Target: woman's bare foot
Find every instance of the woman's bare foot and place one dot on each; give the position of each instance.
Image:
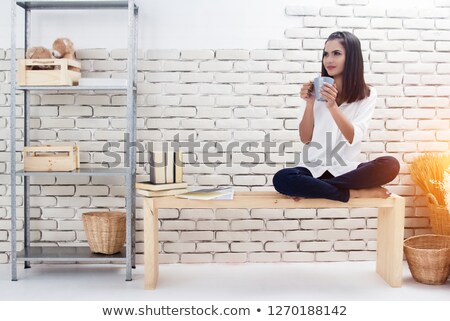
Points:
(296, 198)
(378, 192)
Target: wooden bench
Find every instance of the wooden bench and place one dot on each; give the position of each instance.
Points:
(390, 230)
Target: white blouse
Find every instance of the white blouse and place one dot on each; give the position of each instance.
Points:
(329, 149)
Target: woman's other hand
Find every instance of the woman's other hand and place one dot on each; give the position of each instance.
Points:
(307, 92)
(329, 92)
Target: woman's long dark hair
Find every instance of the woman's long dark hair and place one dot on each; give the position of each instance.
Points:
(354, 87)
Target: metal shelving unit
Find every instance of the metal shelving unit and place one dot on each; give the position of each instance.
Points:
(75, 254)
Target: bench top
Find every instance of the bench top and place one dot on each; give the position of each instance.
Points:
(272, 199)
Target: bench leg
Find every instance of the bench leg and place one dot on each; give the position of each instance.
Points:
(151, 264)
(391, 224)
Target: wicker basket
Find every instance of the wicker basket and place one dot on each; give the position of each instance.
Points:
(439, 216)
(428, 258)
(105, 231)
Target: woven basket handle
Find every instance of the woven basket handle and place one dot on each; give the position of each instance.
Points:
(432, 199)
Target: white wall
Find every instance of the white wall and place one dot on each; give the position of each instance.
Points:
(163, 24)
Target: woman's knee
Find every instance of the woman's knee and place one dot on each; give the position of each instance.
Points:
(280, 178)
(390, 165)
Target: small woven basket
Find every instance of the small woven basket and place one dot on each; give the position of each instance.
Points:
(428, 258)
(105, 231)
(439, 216)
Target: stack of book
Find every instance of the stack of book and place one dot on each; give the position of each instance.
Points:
(219, 193)
(166, 167)
(149, 189)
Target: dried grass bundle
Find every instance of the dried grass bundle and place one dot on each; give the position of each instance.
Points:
(428, 170)
(446, 187)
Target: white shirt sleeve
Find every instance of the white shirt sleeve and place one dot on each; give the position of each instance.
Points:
(362, 118)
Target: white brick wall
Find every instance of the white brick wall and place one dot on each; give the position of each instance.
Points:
(240, 95)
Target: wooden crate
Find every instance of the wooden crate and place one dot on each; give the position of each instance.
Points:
(48, 158)
(61, 73)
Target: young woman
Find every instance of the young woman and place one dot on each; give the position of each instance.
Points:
(332, 132)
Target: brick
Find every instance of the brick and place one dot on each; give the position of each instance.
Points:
(181, 89)
(282, 225)
(163, 55)
(316, 246)
(386, 67)
(230, 257)
(418, 23)
(250, 89)
(417, 113)
(266, 78)
(216, 66)
(162, 77)
(420, 91)
(150, 65)
(419, 136)
(213, 225)
(402, 56)
(212, 247)
(349, 223)
(363, 234)
(92, 54)
(178, 225)
(231, 77)
(280, 246)
(435, 35)
(192, 100)
(179, 247)
(196, 258)
(267, 213)
(197, 236)
(246, 246)
(267, 236)
(57, 123)
(332, 213)
(442, 24)
(386, 23)
(353, 22)
(349, 245)
(197, 54)
(264, 257)
(319, 22)
(58, 236)
(233, 236)
(232, 54)
(300, 213)
(215, 89)
(263, 54)
(251, 66)
(304, 55)
(332, 257)
(300, 235)
(433, 124)
(196, 77)
(297, 257)
(386, 45)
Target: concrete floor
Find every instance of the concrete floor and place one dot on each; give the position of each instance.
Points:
(223, 282)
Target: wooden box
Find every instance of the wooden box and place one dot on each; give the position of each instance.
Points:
(59, 72)
(47, 158)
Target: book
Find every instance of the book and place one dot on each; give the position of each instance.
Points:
(219, 193)
(161, 193)
(157, 167)
(149, 186)
(170, 166)
(178, 167)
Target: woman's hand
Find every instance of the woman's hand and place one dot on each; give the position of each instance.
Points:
(329, 92)
(307, 92)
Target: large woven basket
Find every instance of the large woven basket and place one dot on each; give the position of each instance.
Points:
(105, 231)
(439, 216)
(428, 258)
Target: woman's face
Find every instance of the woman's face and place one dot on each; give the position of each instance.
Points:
(334, 58)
